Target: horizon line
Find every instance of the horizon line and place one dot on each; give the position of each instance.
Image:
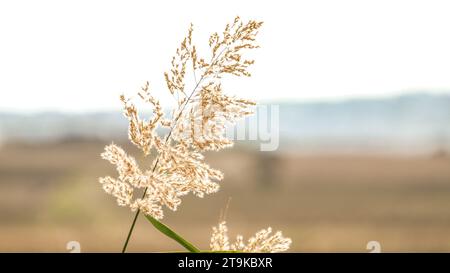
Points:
(328, 100)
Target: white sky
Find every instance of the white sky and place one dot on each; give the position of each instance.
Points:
(80, 55)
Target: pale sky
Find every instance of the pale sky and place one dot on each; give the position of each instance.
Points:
(80, 55)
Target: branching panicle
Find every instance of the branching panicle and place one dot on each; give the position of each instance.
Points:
(197, 124)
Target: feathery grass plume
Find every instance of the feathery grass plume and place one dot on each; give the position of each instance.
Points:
(197, 124)
(262, 241)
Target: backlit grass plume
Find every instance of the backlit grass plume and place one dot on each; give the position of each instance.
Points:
(262, 241)
(196, 124)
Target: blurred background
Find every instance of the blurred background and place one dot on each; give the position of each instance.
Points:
(363, 92)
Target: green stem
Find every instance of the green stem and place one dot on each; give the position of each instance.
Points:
(172, 234)
(132, 226)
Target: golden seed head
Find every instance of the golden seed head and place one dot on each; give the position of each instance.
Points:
(262, 241)
(197, 124)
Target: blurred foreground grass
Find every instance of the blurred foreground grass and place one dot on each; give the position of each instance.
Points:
(49, 195)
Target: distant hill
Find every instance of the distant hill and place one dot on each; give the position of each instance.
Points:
(417, 122)
(409, 123)
(49, 126)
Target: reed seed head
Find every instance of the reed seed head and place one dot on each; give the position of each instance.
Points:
(262, 241)
(197, 124)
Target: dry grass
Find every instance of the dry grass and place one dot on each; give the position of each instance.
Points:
(197, 123)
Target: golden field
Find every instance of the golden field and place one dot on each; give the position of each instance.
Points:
(49, 195)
